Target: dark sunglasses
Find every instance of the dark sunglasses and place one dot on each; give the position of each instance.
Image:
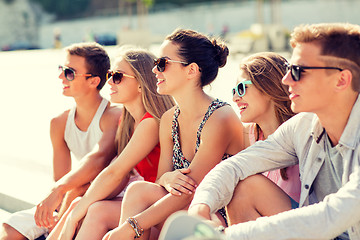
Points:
(70, 73)
(160, 63)
(117, 76)
(240, 88)
(296, 70)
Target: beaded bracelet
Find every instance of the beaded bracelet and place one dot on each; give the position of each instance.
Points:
(135, 225)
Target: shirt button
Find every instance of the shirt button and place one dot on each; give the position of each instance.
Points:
(306, 186)
(319, 159)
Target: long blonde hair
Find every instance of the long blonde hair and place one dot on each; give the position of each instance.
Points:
(141, 62)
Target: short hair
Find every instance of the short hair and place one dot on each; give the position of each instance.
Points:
(209, 54)
(96, 59)
(339, 40)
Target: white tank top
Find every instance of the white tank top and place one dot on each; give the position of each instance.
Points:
(79, 142)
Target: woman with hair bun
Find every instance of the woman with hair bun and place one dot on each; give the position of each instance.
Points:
(195, 135)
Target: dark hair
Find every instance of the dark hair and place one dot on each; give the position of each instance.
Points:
(96, 59)
(339, 40)
(266, 70)
(208, 54)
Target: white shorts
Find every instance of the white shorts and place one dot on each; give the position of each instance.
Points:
(24, 222)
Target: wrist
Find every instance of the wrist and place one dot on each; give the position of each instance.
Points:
(59, 189)
(160, 181)
(135, 226)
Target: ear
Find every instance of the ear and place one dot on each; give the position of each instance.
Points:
(344, 80)
(94, 81)
(193, 70)
(139, 89)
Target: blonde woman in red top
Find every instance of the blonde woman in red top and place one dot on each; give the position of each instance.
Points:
(134, 86)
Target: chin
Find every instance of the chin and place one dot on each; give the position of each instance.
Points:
(296, 109)
(244, 119)
(161, 91)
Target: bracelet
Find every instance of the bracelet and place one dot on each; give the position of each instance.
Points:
(135, 225)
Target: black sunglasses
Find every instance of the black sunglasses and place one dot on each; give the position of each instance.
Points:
(70, 73)
(296, 70)
(116, 76)
(160, 63)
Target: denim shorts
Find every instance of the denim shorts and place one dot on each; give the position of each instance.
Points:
(294, 204)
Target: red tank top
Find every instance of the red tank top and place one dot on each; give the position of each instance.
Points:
(148, 167)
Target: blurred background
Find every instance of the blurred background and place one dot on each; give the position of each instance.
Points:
(33, 33)
(250, 25)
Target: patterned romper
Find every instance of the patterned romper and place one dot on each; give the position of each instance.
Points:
(179, 161)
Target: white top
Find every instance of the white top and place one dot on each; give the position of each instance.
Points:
(79, 142)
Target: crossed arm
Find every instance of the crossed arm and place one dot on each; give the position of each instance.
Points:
(142, 142)
(67, 179)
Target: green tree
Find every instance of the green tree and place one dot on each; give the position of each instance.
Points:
(65, 8)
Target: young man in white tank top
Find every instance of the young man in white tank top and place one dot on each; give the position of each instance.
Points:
(86, 132)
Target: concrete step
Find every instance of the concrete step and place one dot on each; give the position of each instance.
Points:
(23, 184)
(3, 215)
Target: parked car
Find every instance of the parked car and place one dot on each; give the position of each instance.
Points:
(106, 39)
(21, 45)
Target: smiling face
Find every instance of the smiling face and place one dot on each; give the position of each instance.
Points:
(254, 105)
(79, 85)
(128, 89)
(173, 77)
(313, 92)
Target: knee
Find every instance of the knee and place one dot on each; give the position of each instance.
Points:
(96, 212)
(250, 185)
(245, 191)
(9, 233)
(138, 190)
(142, 192)
(74, 203)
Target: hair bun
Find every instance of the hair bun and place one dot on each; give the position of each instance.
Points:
(222, 52)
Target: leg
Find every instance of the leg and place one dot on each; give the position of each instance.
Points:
(138, 197)
(101, 217)
(254, 197)
(21, 225)
(54, 234)
(9, 233)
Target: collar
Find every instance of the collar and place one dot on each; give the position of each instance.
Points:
(351, 135)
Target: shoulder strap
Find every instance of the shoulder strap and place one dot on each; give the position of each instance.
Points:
(217, 103)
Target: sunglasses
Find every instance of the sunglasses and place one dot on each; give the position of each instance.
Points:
(117, 76)
(70, 73)
(240, 88)
(296, 70)
(160, 63)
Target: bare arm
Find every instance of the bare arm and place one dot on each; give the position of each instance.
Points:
(91, 165)
(174, 181)
(95, 161)
(142, 142)
(61, 152)
(223, 133)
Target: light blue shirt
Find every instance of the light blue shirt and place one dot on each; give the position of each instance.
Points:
(299, 140)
